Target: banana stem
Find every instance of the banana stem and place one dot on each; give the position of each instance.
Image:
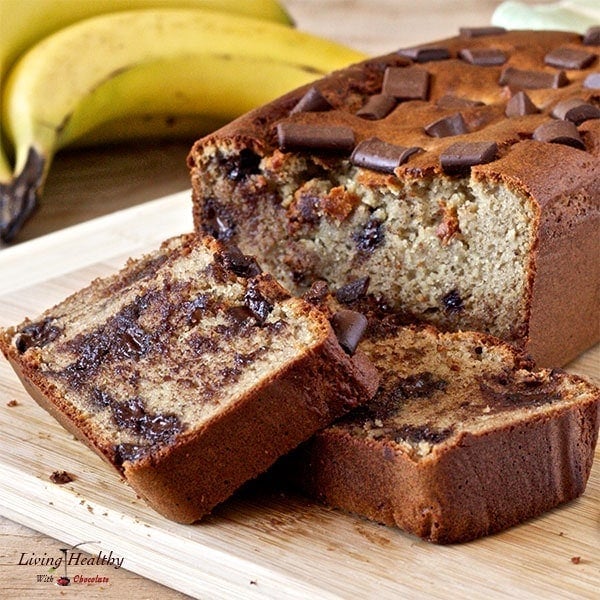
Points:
(19, 196)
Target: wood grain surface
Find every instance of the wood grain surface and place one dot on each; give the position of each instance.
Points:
(263, 544)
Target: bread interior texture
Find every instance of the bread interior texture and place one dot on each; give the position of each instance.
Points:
(453, 251)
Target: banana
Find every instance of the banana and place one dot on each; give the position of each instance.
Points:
(219, 86)
(154, 61)
(25, 23)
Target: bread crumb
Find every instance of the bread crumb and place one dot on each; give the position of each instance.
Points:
(61, 477)
(576, 560)
(12, 403)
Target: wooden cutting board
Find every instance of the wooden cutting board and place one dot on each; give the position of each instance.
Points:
(263, 543)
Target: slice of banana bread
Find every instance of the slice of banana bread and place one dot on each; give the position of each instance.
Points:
(190, 371)
(461, 177)
(463, 439)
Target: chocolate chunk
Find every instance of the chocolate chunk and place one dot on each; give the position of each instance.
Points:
(520, 105)
(37, 334)
(559, 132)
(61, 477)
(216, 220)
(532, 80)
(451, 102)
(592, 36)
(483, 57)
(349, 326)
(317, 294)
(329, 138)
(447, 126)
(458, 158)
(416, 434)
(394, 393)
(510, 390)
(312, 101)
(240, 315)
(419, 385)
(378, 155)
(406, 83)
(196, 309)
(576, 110)
(371, 236)
(592, 81)
(569, 58)
(353, 291)
(257, 304)
(422, 55)
(452, 302)
(131, 414)
(243, 165)
(377, 107)
(129, 452)
(471, 32)
(240, 264)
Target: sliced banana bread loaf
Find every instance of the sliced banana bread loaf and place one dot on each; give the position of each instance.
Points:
(462, 177)
(463, 439)
(190, 371)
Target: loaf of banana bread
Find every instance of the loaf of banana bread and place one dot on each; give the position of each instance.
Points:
(190, 371)
(461, 177)
(463, 439)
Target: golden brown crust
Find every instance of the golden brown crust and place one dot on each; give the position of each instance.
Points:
(346, 90)
(481, 485)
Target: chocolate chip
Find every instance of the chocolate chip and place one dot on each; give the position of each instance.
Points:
(240, 264)
(370, 236)
(353, 291)
(569, 58)
(458, 158)
(257, 304)
(312, 101)
(559, 132)
(592, 81)
(348, 326)
(471, 32)
(378, 155)
(377, 107)
(447, 126)
(483, 57)
(406, 83)
(422, 55)
(452, 302)
(329, 138)
(37, 334)
(451, 102)
(575, 110)
(520, 105)
(592, 36)
(532, 80)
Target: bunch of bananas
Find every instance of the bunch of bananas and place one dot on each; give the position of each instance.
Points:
(91, 72)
